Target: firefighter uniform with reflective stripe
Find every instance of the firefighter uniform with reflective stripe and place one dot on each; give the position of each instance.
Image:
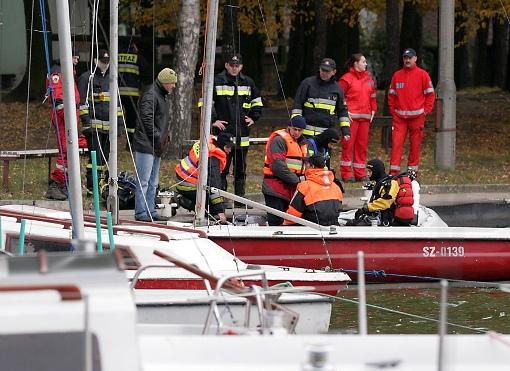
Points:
(129, 66)
(94, 116)
(56, 102)
(321, 103)
(187, 175)
(236, 97)
(410, 98)
(283, 166)
(318, 199)
(360, 96)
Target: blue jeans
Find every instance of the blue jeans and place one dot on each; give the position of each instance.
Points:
(147, 166)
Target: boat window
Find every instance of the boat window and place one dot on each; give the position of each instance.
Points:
(128, 258)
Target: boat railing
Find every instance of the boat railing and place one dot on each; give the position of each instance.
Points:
(270, 210)
(233, 283)
(139, 271)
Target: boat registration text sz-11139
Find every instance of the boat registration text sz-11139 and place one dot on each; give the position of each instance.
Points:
(433, 251)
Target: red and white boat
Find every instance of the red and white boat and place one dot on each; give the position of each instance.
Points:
(391, 253)
(163, 290)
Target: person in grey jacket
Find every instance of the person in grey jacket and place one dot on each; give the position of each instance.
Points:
(150, 143)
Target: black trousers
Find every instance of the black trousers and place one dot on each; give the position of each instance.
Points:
(98, 142)
(130, 106)
(237, 158)
(278, 204)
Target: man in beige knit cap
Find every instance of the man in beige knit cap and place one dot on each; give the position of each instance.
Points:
(150, 143)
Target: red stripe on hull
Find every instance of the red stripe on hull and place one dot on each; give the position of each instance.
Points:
(323, 287)
(477, 260)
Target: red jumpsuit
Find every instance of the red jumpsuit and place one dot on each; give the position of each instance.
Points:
(360, 97)
(56, 101)
(410, 99)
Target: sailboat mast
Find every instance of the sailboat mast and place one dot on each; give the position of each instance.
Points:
(112, 202)
(64, 42)
(205, 118)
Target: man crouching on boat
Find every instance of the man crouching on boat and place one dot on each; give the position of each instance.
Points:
(317, 199)
(381, 204)
(283, 166)
(187, 175)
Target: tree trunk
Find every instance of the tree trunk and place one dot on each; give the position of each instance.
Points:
(186, 55)
(38, 69)
(462, 72)
(321, 34)
(392, 47)
(230, 33)
(294, 68)
(412, 28)
(482, 68)
(498, 52)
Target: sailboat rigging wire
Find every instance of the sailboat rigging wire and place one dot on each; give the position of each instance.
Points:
(27, 103)
(273, 57)
(394, 311)
(504, 10)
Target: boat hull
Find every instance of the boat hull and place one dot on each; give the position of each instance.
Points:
(396, 260)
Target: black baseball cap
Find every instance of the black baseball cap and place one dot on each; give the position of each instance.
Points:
(409, 52)
(328, 64)
(235, 59)
(103, 56)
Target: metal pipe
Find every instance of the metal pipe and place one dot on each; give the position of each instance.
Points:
(110, 230)
(362, 295)
(446, 89)
(270, 210)
(97, 210)
(73, 158)
(443, 324)
(112, 202)
(205, 117)
(21, 241)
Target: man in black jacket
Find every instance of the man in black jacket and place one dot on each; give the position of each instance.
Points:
(237, 105)
(150, 142)
(94, 91)
(320, 100)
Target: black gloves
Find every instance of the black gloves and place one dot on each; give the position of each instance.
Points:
(360, 212)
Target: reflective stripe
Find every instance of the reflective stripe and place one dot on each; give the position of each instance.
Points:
(183, 187)
(428, 91)
(246, 105)
(100, 124)
(395, 167)
(311, 130)
(84, 110)
(294, 164)
(224, 90)
(321, 104)
(328, 102)
(257, 102)
(59, 107)
(344, 123)
(410, 113)
(129, 68)
(125, 90)
(200, 102)
(358, 166)
(392, 91)
(373, 95)
(245, 141)
(243, 90)
(130, 130)
(101, 97)
(128, 58)
(99, 167)
(345, 163)
(61, 167)
(296, 112)
(360, 115)
(413, 167)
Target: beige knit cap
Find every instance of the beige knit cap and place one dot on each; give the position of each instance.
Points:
(167, 76)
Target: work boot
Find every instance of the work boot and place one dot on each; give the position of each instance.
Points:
(224, 184)
(55, 192)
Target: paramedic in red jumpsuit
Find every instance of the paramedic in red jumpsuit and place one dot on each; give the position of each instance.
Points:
(410, 99)
(360, 96)
(57, 183)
